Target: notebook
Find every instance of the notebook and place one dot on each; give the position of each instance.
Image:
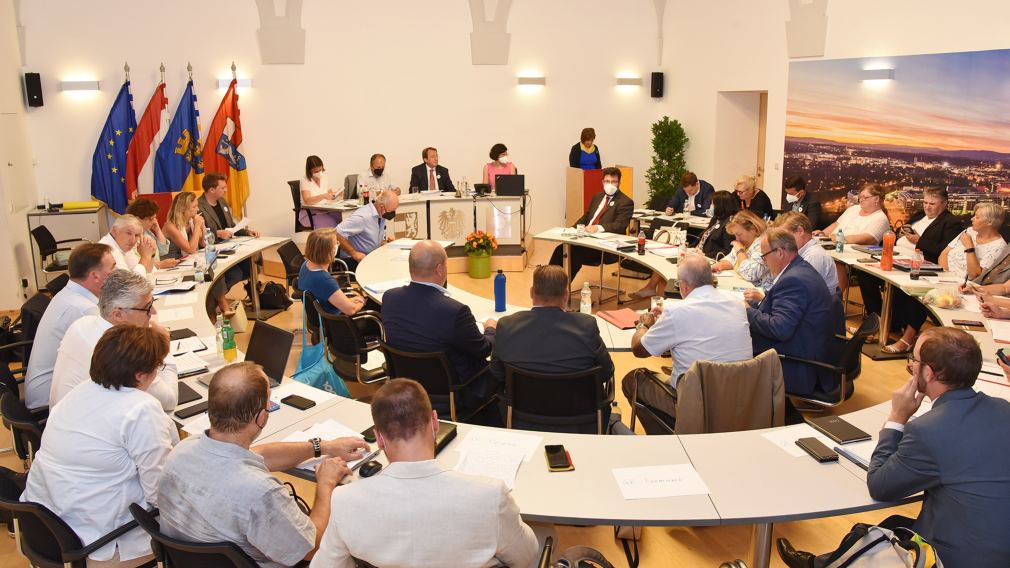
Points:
(838, 430)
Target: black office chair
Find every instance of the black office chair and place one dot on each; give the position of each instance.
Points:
(347, 347)
(655, 422)
(177, 553)
(556, 402)
(11, 377)
(31, 316)
(438, 377)
(296, 198)
(46, 540)
(49, 249)
(56, 284)
(846, 366)
(292, 259)
(25, 426)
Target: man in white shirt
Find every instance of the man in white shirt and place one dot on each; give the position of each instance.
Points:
(708, 325)
(375, 178)
(88, 267)
(131, 248)
(126, 300)
(415, 512)
(365, 229)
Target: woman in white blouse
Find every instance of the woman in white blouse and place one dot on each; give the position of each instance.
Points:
(105, 444)
(315, 187)
(978, 246)
(745, 257)
(862, 224)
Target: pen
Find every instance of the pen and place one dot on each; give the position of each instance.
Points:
(365, 459)
(852, 458)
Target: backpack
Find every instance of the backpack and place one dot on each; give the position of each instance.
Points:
(868, 545)
(273, 296)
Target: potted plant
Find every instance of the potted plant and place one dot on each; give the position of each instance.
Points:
(668, 145)
(479, 246)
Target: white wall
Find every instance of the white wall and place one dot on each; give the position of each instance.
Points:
(737, 116)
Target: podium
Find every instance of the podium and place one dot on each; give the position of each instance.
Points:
(581, 185)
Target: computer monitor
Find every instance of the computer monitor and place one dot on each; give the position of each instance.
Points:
(269, 346)
(513, 185)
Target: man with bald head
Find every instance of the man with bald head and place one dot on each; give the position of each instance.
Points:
(708, 325)
(422, 318)
(215, 488)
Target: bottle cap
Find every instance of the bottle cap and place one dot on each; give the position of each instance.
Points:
(499, 271)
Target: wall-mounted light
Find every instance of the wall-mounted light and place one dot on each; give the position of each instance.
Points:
(876, 75)
(80, 86)
(532, 81)
(240, 83)
(629, 81)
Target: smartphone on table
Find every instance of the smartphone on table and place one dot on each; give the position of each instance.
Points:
(558, 458)
(299, 402)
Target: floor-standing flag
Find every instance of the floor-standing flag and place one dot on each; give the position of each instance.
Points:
(178, 164)
(108, 166)
(221, 153)
(140, 146)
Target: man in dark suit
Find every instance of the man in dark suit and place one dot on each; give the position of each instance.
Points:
(796, 315)
(215, 210)
(430, 175)
(609, 211)
(694, 196)
(421, 317)
(547, 339)
(957, 452)
(798, 200)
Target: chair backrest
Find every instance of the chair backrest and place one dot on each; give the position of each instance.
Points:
(433, 370)
(292, 259)
(43, 535)
(343, 340)
(31, 316)
(654, 421)
(296, 194)
(850, 359)
(56, 284)
(27, 432)
(729, 397)
(164, 201)
(45, 240)
(569, 399)
(350, 186)
(177, 553)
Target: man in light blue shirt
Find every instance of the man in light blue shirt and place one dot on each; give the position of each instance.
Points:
(88, 267)
(365, 230)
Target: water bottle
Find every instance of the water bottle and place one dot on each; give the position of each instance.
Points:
(916, 265)
(228, 348)
(198, 262)
(218, 332)
(641, 242)
(586, 301)
(840, 241)
(499, 291)
(365, 195)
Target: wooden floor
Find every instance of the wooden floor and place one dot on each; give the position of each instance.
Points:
(661, 546)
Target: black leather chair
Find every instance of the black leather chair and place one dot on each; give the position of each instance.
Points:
(177, 553)
(556, 402)
(438, 377)
(846, 367)
(347, 347)
(49, 249)
(47, 540)
(296, 198)
(25, 426)
(31, 316)
(292, 259)
(654, 421)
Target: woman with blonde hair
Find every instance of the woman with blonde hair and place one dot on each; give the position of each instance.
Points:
(745, 257)
(753, 198)
(184, 226)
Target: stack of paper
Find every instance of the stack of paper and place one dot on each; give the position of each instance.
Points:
(189, 363)
(785, 438)
(186, 299)
(326, 430)
(657, 481)
(187, 345)
(499, 441)
(162, 289)
(496, 464)
(380, 288)
(1000, 330)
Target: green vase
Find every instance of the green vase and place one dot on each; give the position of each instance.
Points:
(480, 264)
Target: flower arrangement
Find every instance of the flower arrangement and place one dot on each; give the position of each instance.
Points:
(479, 241)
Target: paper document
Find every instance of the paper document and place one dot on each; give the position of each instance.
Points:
(1000, 330)
(175, 314)
(503, 465)
(188, 345)
(163, 289)
(605, 236)
(188, 363)
(326, 430)
(239, 226)
(785, 438)
(497, 440)
(862, 451)
(375, 360)
(970, 303)
(655, 481)
(379, 288)
(186, 299)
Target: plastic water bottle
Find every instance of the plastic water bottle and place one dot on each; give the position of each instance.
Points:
(586, 300)
(218, 332)
(916, 265)
(887, 253)
(209, 250)
(228, 348)
(499, 291)
(198, 262)
(839, 240)
(641, 243)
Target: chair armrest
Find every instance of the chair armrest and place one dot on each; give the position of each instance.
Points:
(82, 553)
(486, 369)
(374, 316)
(16, 345)
(341, 262)
(811, 362)
(73, 241)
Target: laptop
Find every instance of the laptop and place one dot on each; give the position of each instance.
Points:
(513, 185)
(269, 346)
(482, 188)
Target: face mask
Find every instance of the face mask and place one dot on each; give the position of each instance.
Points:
(503, 159)
(378, 171)
(791, 198)
(609, 188)
(317, 175)
(389, 215)
(710, 212)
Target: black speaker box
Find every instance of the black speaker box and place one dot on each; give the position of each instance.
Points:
(33, 89)
(657, 85)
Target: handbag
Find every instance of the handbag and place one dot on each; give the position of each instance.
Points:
(313, 368)
(868, 545)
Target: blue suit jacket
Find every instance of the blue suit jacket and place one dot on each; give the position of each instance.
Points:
(701, 201)
(959, 454)
(421, 319)
(796, 318)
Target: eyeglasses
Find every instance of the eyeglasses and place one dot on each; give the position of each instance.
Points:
(769, 252)
(162, 366)
(146, 309)
(909, 360)
(863, 198)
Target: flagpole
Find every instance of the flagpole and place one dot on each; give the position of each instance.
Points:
(234, 76)
(189, 69)
(126, 68)
(162, 69)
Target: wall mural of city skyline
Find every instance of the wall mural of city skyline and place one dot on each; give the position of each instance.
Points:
(943, 121)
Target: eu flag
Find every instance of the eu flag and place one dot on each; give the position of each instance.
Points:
(178, 164)
(108, 166)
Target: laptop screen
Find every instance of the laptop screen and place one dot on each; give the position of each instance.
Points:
(270, 346)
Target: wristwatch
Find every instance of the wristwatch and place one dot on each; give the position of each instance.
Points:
(317, 447)
(967, 250)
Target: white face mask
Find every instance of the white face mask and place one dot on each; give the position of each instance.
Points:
(792, 198)
(609, 188)
(317, 175)
(711, 211)
(504, 159)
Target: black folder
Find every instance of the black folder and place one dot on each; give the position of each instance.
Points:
(838, 430)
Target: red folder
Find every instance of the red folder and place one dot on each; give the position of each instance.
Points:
(625, 318)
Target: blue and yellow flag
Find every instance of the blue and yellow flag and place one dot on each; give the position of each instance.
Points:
(108, 166)
(178, 164)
